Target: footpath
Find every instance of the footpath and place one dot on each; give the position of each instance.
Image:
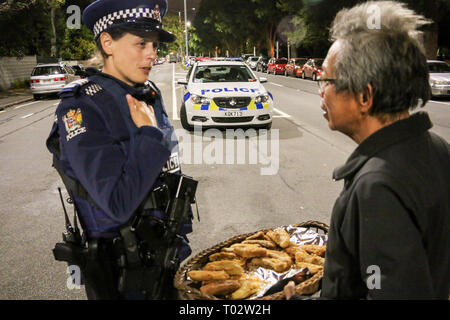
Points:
(14, 96)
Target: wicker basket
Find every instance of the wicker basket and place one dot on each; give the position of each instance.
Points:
(188, 291)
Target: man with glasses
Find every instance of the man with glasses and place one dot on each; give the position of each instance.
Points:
(389, 233)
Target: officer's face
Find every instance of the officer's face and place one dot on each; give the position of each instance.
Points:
(130, 57)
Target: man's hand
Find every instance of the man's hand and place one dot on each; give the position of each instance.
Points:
(141, 113)
(289, 290)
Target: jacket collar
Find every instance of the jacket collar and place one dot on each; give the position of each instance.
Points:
(398, 131)
(134, 91)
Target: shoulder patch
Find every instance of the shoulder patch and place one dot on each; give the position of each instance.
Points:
(73, 121)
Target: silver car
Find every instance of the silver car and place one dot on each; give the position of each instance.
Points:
(50, 78)
(439, 77)
(252, 61)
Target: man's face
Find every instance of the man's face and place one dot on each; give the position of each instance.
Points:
(341, 110)
(131, 58)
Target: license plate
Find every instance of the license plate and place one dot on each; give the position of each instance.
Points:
(233, 113)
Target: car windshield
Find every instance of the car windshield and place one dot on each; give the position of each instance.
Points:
(300, 62)
(43, 71)
(437, 67)
(255, 59)
(281, 61)
(223, 73)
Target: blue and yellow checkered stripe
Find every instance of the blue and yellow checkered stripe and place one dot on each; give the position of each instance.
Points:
(214, 107)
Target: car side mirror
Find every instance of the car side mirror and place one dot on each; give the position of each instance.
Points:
(182, 82)
(262, 80)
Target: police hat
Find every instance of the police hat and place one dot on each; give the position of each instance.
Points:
(139, 15)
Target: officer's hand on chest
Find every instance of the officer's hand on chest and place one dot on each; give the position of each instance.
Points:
(141, 113)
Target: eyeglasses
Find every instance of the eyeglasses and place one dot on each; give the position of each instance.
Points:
(322, 83)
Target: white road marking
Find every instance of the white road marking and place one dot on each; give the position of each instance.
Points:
(174, 96)
(28, 115)
(26, 104)
(282, 114)
(276, 84)
(448, 104)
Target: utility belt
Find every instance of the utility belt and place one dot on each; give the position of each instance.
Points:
(144, 257)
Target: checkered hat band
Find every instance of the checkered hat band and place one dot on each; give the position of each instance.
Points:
(105, 22)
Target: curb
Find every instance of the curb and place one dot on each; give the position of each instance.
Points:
(15, 102)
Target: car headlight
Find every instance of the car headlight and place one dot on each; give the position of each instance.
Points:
(262, 98)
(200, 99)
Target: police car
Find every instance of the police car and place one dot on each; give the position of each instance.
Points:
(224, 93)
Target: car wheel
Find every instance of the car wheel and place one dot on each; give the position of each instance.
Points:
(268, 126)
(314, 77)
(36, 96)
(286, 73)
(183, 119)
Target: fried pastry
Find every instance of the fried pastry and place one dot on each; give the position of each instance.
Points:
(312, 248)
(220, 288)
(203, 275)
(232, 267)
(269, 244)
(302, 256)
(313, 268)
(292, 250)
(248, 287)
(271, 263)
(280, 255)
(222, 256)
(250, 251)
(260, 235)
(227, 249)
(280, 237)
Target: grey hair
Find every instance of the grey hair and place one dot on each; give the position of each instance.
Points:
(385, 53)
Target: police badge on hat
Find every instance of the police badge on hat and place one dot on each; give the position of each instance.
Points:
(139, 15)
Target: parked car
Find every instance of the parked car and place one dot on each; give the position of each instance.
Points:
(252, 62)
(312, 69)
(50, 78)
(276, 66)
(261, 64)
(80, 70)
(439, 77)
(245, 56)
(294, 67)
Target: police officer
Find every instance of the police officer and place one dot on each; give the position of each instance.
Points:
(114, 135)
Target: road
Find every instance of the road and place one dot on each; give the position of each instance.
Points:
(269, 179)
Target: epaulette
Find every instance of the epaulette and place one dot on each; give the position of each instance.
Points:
(72, 88)
(80, 86)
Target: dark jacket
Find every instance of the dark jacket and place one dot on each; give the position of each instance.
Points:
(116, 162)
(389, 234)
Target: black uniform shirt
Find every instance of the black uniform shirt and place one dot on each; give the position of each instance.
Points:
(389, 234)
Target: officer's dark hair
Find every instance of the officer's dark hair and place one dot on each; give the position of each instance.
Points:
(389, 57)
(116, 34)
